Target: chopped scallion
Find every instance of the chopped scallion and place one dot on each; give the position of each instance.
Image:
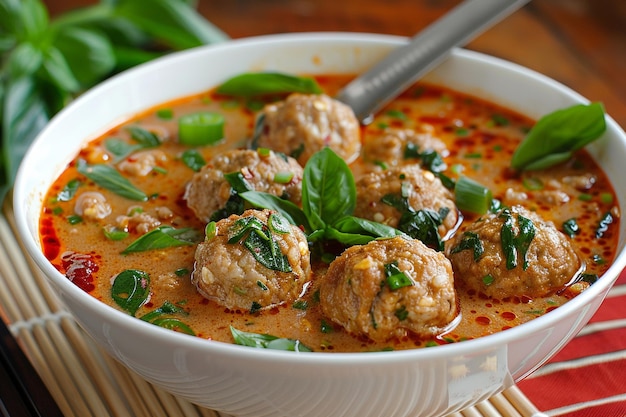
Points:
(472, 196)
(202, 128)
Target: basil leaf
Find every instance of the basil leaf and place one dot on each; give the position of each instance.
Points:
(163, 237)
(285, 207)
(57, 70)
(144, 137)
(172, 21)
(69, 191)
(328, 189)
(266, 341)
(25, 59)
(173, 324)
(470, 241)
(357, 225)
(263, 83)
(119, 148)
(88, 53)
(166, 308)
(131, 289)
(108, 177)
(557, 135)
(193, 159)
(24, 114)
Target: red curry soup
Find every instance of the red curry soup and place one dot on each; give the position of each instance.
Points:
(200, 215)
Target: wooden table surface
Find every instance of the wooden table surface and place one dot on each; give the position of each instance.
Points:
(581, 43)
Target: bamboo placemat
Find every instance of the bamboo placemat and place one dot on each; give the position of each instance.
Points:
(84, 380)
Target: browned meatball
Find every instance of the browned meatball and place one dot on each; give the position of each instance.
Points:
(513, 253)
(252, 261)
(304, 124)
(380, 195)
(399, 146)
(209, 190)
(389, 287)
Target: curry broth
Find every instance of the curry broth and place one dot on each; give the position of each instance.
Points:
(480, 137)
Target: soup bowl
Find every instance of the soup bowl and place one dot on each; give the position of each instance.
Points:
(260, 382)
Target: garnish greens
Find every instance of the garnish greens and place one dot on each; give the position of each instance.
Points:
(470, 241)
(201, 128)
(259, 239)
(131, 289)
(108, 177)
(263, 83)
(328, 202)
(516, 245)
(46, 62)
(396, 278)
(266, 341)
(471, 196)
(557, 135)
(164, 237)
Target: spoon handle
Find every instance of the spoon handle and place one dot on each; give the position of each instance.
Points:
(403, 66)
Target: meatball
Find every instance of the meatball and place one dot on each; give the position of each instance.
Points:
(387, 288)
(209, 190)
(385, 196)
(252, 261)
(513, 253)
(401, 146)
(304, 124)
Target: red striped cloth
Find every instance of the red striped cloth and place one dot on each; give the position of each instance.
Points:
(587, 378)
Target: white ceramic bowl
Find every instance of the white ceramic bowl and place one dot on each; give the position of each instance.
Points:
(257, 382)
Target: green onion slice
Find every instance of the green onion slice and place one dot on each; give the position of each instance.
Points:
(471, 196)
(202, 128)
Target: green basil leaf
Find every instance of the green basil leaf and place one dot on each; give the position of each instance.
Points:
(357, 225)
(263, 83)
(166, 308)
(56, 69)
(172, 21)
(131, 289)
(193, 159)
(289, 210)
(69, 191)
(173, 324)
(25, 59)
(119, 148)
(557, 135)
(328, 189)
(108, 177)
(88, 53)
(31, 18)
(345, 238)
(144, 137)
(24, 114)
(266, 341)
(470, 241)
(164, 237)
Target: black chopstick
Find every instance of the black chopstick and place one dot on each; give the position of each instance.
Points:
(22, 392)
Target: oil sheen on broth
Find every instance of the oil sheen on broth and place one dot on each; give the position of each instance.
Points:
(479, 138)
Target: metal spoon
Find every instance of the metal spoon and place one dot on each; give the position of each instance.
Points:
(405, 65)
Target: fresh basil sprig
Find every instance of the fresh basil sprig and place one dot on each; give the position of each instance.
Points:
(45, 62)
(266, 341)
(557, 135)
(328, 202)
(254, 84)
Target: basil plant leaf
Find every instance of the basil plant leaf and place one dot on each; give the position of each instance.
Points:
(328, 189)
(24, 114)
(57, 70)
(351, 224)
(557, 135)
(131, 289)
(172, 21)
(88, 53)
(263, 83)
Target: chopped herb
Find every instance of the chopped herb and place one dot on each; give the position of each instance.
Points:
(283, 177)
(499, 120)
(598, 259)
(473, 155)
(193, 159)
(326, 327)
(396, 278)
(512, 244)
(165, 114)
(201, 128)
(396, 114)
(606, 198)
(261, 285)
(589, 278)
(181, 272)
(69, 191)
(585, 197)
(300, 305)
(532, 184)
(401, 313)
(603, 227)
(488, 279)
(471, 196)
(570, 227)
(470, 241)
(113, 233)
(74, 219)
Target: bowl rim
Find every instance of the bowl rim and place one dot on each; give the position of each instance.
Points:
(21, 195)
